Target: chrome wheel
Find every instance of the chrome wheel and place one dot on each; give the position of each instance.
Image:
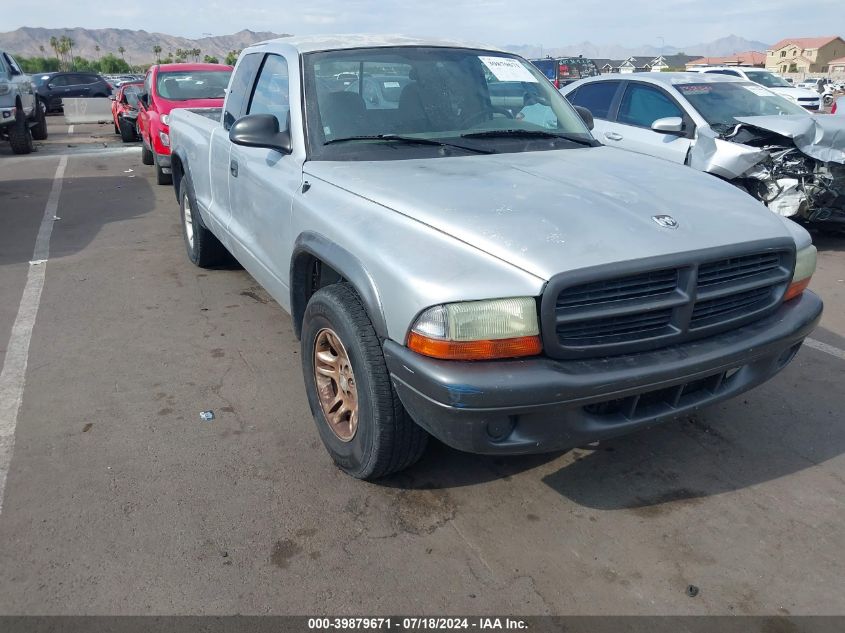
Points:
(189, 221)
(336, 386)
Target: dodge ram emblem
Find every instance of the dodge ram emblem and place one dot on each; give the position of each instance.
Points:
(666, 221)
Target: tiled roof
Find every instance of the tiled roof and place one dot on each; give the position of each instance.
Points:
(804, 42)
(748, 58)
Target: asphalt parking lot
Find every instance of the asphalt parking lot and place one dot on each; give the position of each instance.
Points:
(120, 499)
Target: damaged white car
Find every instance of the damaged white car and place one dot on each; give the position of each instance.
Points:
(792, 161)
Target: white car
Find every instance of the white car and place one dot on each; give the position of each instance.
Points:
(789, 159)
(806, 98)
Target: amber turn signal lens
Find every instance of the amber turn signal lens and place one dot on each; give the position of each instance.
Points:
(796, 288)
(475, 350)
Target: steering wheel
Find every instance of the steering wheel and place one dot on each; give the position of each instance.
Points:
(482, 115)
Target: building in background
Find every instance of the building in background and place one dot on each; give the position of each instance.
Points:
(805, 55)
(748, 58)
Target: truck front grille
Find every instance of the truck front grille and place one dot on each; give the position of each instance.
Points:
(600, 312)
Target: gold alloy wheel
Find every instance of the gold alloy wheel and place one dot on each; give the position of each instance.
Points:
(336, 386)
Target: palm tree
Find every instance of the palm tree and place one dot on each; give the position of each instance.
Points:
(70, 44)
(157, 53)
(97, 48)
(64, 48)
(121, 50)
(55, 45)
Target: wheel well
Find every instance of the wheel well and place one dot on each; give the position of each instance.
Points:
(308, 275)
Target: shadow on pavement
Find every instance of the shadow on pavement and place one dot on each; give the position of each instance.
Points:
(86, 204)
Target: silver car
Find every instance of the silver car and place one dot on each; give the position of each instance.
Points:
(791, 160)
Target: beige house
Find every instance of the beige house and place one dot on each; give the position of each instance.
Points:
(837, 67)
(805, 55)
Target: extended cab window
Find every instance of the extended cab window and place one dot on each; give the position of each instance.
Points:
(239, 87)
(596, 97)
(16, 70)
(271, 90)
(642, 105)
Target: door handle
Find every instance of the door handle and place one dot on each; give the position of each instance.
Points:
(613, 136)
(233, 168)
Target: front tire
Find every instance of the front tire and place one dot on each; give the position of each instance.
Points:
(20, 137)
(39, 130)
(204, 249)
(361, 421)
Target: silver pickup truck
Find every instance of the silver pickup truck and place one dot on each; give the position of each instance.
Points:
(475, 268)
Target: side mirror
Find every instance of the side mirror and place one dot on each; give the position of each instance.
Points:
(49, 86)
(144, 99)
(669, 125)
(260, 130)
(586, 116)
(112, 97)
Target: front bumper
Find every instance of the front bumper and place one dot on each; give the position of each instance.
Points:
(164, 161)
(541, 404)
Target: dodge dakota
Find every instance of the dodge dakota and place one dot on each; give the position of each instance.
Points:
(467, 265)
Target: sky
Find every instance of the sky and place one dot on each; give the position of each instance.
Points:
(540, 22)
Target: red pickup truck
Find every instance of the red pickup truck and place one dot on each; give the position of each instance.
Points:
(169, 86)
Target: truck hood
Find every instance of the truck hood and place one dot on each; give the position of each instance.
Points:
(552, 211)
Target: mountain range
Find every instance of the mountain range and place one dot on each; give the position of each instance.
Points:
(26, 41)
(717, 48)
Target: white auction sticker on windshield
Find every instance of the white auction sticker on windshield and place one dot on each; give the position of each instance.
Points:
(759, 91)
(507, 69)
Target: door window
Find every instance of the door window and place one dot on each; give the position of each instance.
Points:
(239, 87)
(642, 105)
(596, 97)
(16, 70)
(60, 80)
(270, 95)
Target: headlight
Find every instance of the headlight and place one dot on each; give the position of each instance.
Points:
(805, 266)
(164, 138)
(478, 330)
(5, 88)
(165, 119)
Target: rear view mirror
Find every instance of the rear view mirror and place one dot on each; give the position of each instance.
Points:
(260, 130)
(586, 116)
(668, 125)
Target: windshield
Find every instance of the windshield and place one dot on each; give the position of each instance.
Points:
(466, 99)
(767, 79)
(185, 85)
(721, 103)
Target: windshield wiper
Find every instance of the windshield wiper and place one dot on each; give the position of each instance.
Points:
(515, 133)
(408, 139)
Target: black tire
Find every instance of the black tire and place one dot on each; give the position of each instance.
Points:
(116, 129)
(39, 130)
(161, 177)
(205, 250)
(127, 131)
(147, 156)
(386, 440)
(20, 137)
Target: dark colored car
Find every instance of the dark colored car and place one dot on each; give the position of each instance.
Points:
(124, 110)
(565, 70)
(55, 86)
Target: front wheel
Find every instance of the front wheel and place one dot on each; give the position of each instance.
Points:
(39, 130)
(127, 131)
(20, 137)
(361, 421)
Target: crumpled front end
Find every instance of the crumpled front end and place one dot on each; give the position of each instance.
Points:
(794, 165)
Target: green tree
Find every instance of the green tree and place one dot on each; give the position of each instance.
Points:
(232, 57)
(111, 64)
(157, 53)
(209, 59)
